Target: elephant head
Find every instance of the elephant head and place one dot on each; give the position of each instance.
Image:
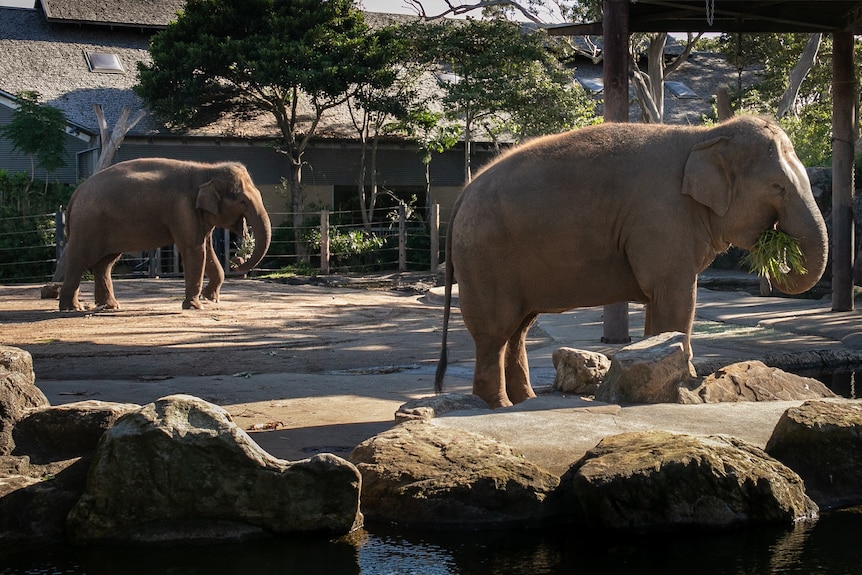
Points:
(750, 178)
(229, 200)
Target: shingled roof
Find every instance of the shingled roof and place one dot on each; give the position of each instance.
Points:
(137, 14)
(47, 51)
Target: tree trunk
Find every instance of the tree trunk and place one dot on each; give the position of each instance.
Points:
(797, 75)
(297, 205)
(110, 144)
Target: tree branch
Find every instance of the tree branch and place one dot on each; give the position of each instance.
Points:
(461, 9)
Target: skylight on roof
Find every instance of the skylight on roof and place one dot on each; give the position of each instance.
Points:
(592, 85)
(104, 62)
(680, 90)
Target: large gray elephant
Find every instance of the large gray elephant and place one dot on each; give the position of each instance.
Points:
(148, 203)
(615, 213)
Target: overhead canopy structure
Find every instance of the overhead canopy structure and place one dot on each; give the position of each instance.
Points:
(840, 18)
(780, 16)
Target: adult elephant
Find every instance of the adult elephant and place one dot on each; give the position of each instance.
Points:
(148, 203)
(614, 213)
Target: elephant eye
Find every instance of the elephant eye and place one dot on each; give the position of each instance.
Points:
(780, 189)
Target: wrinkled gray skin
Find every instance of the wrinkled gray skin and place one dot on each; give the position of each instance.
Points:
(614, 213)
(149, 203)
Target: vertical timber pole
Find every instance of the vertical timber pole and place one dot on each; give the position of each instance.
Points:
(615, 23)
(402, 238)
(843, 139)
(434, 224)
(324, 242)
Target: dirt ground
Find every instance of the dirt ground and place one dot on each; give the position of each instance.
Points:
(258, 327)
(305, 367)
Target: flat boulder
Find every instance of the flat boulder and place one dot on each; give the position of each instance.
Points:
(650, 371)
(426, 408)
(18, 392)
(755, 381)
(179, 469)
(822, 442)
(420, 475)
(658, 481)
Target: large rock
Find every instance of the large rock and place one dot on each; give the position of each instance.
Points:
(579, 371)
(755, 381)
(650, 371)
(18, 392)
(420, 475)
(55, 433)
(46, 474)
(822, 442)
(180, 469)
(657, 480)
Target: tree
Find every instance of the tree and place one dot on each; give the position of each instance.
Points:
(377, 106)
(39, 131)
(111, 143)
(794, 83)
(490, 73)
(294, 59)
(649, 86)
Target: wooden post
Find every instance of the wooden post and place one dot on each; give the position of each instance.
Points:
(843, 137)
(434, 224)
(226, 260)
(324, 242)
(59, 232)
(402, 238)
(615, 25)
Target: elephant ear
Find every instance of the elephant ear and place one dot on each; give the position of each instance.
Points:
(208, 198)
(707, 177)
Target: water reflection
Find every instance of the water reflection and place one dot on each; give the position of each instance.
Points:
(829, 546)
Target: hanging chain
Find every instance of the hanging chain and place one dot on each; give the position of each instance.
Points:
(710, 11)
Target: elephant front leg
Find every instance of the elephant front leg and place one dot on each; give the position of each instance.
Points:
(214, 273)
(488, 377)
(672, 311)
(193, 269)
(518, 385)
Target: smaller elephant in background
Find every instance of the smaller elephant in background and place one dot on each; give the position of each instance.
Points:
(149, 203)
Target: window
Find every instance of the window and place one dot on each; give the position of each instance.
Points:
(104, 62)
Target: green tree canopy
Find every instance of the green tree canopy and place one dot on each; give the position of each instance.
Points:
(38, 131)
(503, 80)
(269, 55)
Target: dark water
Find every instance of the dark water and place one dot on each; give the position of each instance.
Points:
(831, 546)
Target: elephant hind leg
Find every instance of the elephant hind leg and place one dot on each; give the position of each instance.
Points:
(103, 290)
(518, 385)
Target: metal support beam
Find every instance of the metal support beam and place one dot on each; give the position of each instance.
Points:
(616, 90)
(843, 139)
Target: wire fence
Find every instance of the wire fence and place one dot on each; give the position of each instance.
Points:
(326, 242)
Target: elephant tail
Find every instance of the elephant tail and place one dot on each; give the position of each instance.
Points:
(447, 308)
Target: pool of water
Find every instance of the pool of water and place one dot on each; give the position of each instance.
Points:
(830, 546)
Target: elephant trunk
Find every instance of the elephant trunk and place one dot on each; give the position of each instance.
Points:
(804, 222)
(258, 221)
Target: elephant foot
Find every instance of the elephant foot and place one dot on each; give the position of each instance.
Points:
(193, 303)
(521, 394)
(109, 304)
(494, 400)
(210, 295)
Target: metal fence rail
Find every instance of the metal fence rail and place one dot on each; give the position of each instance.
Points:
(328, 242)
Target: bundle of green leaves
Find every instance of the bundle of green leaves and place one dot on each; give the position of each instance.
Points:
(776, 253)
